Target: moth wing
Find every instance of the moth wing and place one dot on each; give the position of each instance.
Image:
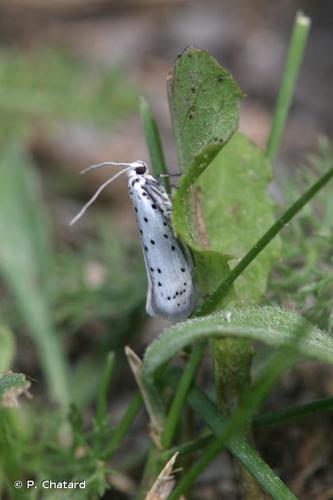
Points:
(170, 287)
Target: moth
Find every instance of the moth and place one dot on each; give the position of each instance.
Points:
(168, 264)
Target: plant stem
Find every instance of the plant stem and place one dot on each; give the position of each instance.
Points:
(153, 141)
(232, 373)
(238, 446)
(294, 58)
(288, 215)
(228, 433)
(293, 413)
(187, 447)
(181, 394)
(103, 390)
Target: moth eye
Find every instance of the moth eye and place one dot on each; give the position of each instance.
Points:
(141, 170)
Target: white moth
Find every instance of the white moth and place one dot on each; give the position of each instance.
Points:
(169, 267)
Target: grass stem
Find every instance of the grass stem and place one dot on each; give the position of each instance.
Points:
(103, 390)
(153, 141)
(121, 430)
(181, 394)
(290, 73)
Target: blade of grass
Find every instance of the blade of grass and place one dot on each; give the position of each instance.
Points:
(26, 264)
(238, 446)
(288, 215)
(188, 447)
(103, 391)
(121, 430)
(181, 394)
(290, 73)
(150, 395)
(293, 413)
(153, 142)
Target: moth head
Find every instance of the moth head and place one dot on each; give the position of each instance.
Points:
(140, 167)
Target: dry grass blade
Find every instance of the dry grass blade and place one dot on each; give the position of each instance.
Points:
(165, 482)
(150, 396)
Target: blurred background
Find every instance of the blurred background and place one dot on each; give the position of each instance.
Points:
(71, 72)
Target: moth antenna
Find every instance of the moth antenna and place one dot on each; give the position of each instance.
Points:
(97, 193)
(104, 164)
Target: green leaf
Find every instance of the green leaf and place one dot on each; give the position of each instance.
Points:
(271, 325)
(204, 105)
(223, 208)
(236, 211)
(263, 242)
(12, 385)
(7, 351)
(210, 268)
